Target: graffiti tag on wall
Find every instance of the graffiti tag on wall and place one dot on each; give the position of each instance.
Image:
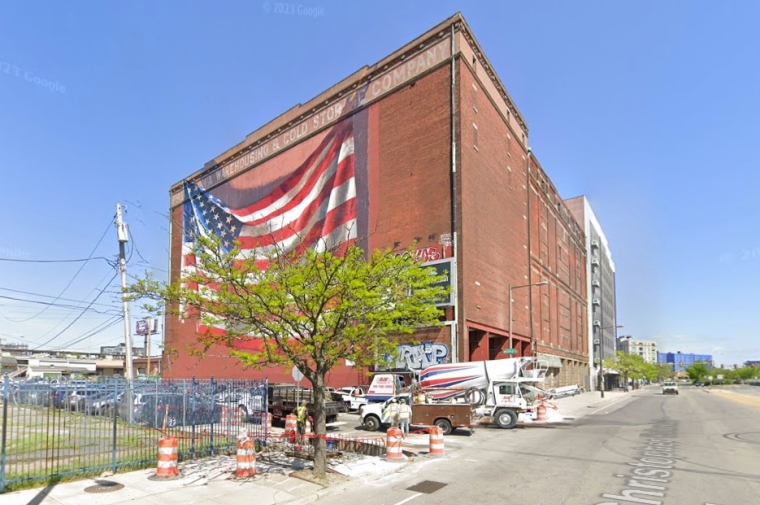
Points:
(419, 357)
(426, 254)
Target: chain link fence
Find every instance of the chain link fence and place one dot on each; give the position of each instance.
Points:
(52, 431)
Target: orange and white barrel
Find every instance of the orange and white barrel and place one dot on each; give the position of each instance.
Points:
(393, 441)
(225, 419)
(307, 427)
(167, 457)
(269, 421)
(541, 412)
(246, 459)
(436, 441)
(239, 417)
(291, 423)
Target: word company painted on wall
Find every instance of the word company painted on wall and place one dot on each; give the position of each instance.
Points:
(377, 87)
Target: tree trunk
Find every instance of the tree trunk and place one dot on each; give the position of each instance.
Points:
(320, 444)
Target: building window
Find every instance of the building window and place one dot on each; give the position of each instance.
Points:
(475, 136)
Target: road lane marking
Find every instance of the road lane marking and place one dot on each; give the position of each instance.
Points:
(610, 405)
(409, 499)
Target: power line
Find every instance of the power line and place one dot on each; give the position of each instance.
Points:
(80, 315)
(94, 331)
(82, 260)
(71, 281)
(144, 261)
(49, 304)
(71, 312)
(21, 292)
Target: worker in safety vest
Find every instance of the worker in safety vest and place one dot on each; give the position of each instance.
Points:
(302, 412)
(404, 416)
(391, 412)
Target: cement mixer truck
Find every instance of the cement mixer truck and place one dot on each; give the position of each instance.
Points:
(501, 389)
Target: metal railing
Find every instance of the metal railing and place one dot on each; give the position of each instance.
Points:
(52, 431)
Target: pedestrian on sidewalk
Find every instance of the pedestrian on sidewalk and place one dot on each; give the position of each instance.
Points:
(404, 417)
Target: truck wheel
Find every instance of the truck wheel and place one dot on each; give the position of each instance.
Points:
(444, 425)
(372, 423)
(506, 419)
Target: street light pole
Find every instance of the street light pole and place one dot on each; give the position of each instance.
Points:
(511, 287)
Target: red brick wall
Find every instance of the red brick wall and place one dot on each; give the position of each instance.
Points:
(410, 176)
(493, 200)
(558, 254)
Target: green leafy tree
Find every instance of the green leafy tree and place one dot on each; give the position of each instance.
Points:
(310, 308)
(665, 372)
(631, 366)
(698, 371)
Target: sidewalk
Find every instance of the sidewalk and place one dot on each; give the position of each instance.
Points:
(578, 406)
(208, 482)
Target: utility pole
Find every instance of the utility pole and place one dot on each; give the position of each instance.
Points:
(122, 234)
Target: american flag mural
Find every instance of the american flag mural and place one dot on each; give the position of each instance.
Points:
(316, 205)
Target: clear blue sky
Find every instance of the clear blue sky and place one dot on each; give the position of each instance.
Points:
(648, 108)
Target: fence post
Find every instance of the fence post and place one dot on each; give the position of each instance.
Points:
(192, 417)
(6, 398)
(213, 412)
(115, 417)
(265, 413)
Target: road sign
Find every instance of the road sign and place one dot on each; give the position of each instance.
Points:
(296, 374)
(510, 351)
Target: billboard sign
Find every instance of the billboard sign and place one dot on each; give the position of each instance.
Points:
(445, 267)
(143, 327)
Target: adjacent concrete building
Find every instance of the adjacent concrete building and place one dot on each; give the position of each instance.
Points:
(426, 145)
(600, 286)
(647, 349)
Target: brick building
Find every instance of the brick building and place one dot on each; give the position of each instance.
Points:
(436, 152)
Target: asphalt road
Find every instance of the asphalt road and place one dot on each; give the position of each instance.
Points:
(695, 448)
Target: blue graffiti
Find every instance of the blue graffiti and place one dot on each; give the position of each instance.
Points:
(421, 356)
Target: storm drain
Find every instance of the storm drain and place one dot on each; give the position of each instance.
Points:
(427, 486)
(103, 486)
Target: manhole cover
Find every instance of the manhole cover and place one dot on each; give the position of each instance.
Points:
(750, 438)
(103, 486)
(427, 486)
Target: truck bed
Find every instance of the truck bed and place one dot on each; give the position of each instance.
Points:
(458, 415)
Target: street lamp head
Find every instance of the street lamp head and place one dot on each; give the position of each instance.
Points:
(542, 283)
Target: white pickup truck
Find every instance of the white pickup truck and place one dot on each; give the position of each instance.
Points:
(669, 388)
(353, 397)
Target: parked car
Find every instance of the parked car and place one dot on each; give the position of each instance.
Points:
(176, 409)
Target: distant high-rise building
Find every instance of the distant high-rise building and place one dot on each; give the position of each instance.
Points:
(682, 361)
(600, 286)
(644, 348)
